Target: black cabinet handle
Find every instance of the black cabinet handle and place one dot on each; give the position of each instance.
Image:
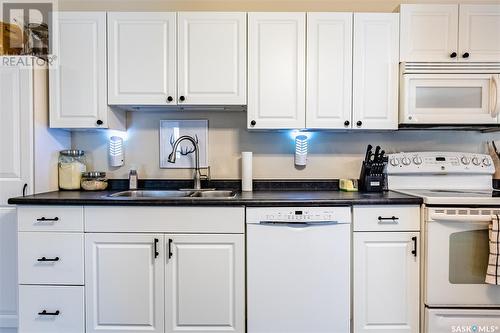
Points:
(156, 248)
(44, 219)
(25, 187)
(359, 123)
(465, 55)
(453, 55)
(170, 99)
(347, 123)
(414, 251)
(393, 218)
(388, 220)
(48, 259)
(253, 123)
(170, 241)
(99, 122)
(182, 98)
(45, 313)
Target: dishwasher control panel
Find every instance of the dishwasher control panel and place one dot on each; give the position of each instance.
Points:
(299, 214)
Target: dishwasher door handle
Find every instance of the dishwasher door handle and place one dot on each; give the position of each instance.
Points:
(304, 223)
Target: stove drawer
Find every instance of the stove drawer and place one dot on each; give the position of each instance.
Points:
(386, 218)
(461, 320)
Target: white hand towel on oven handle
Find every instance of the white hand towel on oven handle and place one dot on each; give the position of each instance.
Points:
(493, 273)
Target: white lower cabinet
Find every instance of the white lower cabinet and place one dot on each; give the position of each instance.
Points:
(51, 309)
(386, 282)
(124, 282)
(171, 283)
(205, 283)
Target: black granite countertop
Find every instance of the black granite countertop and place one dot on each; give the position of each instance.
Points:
(253, 199)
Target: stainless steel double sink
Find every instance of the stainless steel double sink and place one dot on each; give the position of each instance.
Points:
(174, 194)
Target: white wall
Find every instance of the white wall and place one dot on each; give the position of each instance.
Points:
(332, 154)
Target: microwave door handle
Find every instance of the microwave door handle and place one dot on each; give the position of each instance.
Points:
(495, 91)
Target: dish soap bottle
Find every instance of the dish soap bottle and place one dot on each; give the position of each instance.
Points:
(132, 179)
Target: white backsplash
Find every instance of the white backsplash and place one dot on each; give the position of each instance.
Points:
(331, 154)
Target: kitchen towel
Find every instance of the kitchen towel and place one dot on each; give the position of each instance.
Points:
(493, 273)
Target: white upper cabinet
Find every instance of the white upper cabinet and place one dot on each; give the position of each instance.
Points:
(450, 33)
(78, 76)
(375, 71)
(124, 277)
(16, 131)
(276, 70)
(329, 70)
(212, 58)
(479, 33)
(205, 283)
(142, 58)
(429, 33)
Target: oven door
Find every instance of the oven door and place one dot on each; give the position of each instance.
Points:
(457, 251)
(450, 99)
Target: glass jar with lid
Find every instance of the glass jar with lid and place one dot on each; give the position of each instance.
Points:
(94, 181)
(72, 163)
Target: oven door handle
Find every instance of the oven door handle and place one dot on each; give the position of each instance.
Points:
(467, 218)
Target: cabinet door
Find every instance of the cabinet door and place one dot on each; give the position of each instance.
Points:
(375, 71)
(429, 33)
(205, 283)
(78, 76)
(479, 33)
(386, 282)
(8, 271)
(276, 70)
(124, 283)
(329, 70)
(212, 58)
(16, 130)
(141, 58)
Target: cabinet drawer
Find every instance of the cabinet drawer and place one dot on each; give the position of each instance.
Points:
(63, 306)
(215, 220)
(50, 218)
(50, 258)
(386, 218)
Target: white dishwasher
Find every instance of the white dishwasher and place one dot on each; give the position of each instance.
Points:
(298, 269)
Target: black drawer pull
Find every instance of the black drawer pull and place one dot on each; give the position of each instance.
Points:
(44, 219)
(391, 220)
(414, 251)
(48, 259)
(45, 313)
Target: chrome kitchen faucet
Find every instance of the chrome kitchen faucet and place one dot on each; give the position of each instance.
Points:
(173, 155)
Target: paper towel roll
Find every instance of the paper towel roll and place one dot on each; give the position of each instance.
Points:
(246, 171)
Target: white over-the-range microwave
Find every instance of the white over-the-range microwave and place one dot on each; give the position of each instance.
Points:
(449, 93)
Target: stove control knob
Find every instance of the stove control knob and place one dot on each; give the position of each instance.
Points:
(406, 161)
(465, 160)
(475, 161)
(486, 162)
(394, 162)
(417, 160)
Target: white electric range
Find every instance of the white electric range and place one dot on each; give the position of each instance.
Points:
(459, 204)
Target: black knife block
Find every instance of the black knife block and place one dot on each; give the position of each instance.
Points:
(372, 178)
